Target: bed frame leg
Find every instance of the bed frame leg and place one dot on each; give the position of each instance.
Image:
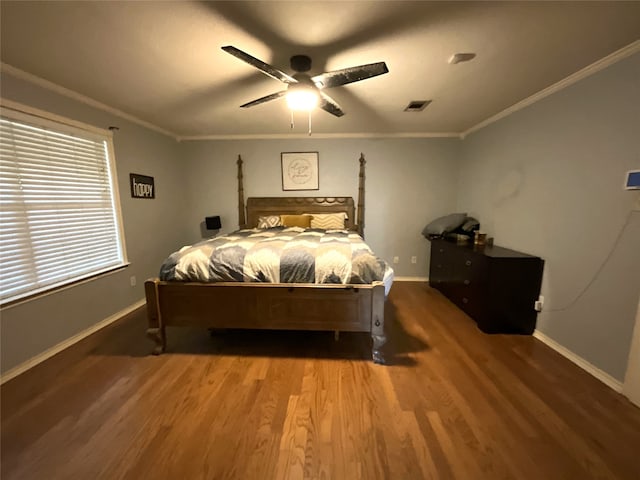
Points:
(377, 324)
(376, 352)
(156, 330)
(159, 337)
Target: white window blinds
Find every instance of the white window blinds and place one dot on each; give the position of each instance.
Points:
(58, 217)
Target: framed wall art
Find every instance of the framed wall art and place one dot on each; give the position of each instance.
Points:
(142, 186)
(300, 171)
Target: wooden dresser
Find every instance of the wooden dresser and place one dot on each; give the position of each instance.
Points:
(495, 286)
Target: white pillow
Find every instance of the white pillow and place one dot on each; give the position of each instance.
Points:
(328, 221)
(269, 221)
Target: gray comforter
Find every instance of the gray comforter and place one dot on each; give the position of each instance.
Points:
(277, 255)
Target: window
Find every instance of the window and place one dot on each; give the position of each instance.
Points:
(59, 213)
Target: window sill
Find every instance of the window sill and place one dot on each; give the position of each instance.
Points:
(27, 297)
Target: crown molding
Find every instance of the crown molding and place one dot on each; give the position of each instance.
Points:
(290, 136)
(48, 85)
(562, 84)
(54, 87)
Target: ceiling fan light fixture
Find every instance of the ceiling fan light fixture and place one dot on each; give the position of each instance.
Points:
(302, 98)
(305, 92)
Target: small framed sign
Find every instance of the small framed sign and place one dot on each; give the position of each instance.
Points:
(300, 171)
(142, 186)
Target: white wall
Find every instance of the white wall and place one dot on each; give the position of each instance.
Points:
(409, 182)
(548, 181)
(152, 228)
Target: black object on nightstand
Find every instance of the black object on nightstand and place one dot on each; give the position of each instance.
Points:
(495, 286)
(213, 223)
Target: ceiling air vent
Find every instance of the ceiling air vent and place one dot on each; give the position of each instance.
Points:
(461, 57)
(417, 105)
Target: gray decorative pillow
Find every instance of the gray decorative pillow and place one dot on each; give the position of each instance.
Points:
(269, 221)
(445, 224)
(470, 225)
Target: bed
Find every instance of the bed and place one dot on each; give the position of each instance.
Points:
(254, 304)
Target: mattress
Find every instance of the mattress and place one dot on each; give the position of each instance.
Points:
(279, 255)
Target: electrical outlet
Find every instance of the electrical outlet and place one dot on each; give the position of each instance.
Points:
(539, 304)
(133, 280)
(396, 260)
(414, 259)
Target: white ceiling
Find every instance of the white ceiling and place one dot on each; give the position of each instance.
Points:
(161, 61)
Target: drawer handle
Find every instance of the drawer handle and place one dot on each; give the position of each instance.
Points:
(466, 282)
(468, 263)
(465, 300)
(441, 250)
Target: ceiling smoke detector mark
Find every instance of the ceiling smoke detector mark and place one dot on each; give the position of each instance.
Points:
(417, 105)
(461, 57)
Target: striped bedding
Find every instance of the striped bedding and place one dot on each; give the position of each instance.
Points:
(278, 255)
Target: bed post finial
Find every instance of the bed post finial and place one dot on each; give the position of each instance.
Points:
(360, 214)
(241, 218)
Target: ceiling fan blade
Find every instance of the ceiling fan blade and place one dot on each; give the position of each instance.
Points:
(267, 98)
(349, 75)
(260, 65)
(328, 104)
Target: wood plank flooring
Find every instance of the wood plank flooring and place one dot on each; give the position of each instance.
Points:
(453, 404)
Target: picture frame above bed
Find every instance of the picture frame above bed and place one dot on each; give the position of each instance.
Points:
(299, 171)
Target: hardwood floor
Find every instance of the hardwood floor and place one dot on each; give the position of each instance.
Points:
(454, 404)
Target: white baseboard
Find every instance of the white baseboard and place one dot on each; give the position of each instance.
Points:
(32, 362)
(410, 279)
(604, 377)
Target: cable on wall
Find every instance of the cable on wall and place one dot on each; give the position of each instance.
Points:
(600, 268)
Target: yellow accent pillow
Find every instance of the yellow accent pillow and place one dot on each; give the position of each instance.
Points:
(329, 221)
(302, 221)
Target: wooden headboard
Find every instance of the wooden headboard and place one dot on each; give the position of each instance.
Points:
(261, 206)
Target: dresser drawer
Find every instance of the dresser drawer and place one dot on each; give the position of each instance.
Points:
(474, 303)
(494, 286)
(441, 267)
(470, 271)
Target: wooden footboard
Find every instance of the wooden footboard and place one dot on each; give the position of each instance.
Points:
(351, 308)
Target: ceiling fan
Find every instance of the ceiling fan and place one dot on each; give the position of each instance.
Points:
(304, 88)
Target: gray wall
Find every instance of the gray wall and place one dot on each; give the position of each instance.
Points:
(152, 228)
(408, 183)
(547, 180)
